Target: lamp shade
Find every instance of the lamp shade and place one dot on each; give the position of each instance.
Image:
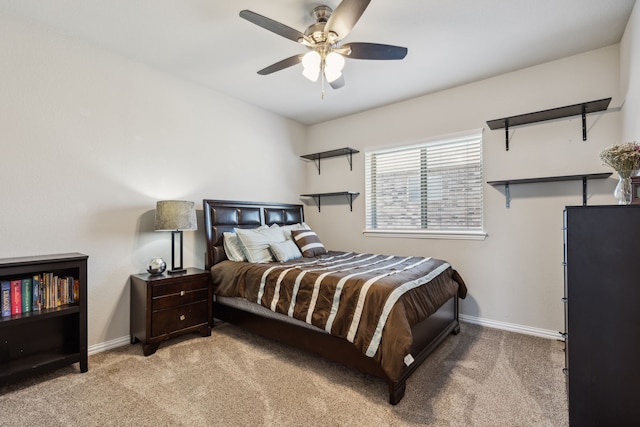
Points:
(172, 215)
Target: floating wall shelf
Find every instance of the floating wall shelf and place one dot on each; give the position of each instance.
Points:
(316, 157)
(554, 113)
(350, 195)
(583, 177)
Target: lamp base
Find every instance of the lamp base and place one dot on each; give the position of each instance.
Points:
(177, 270)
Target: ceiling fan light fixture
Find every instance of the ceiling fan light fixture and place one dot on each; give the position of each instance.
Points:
(332, 76)
(333, 65)
(311, 64)
(334, 61)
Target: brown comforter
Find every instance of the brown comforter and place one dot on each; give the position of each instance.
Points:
(370, 300)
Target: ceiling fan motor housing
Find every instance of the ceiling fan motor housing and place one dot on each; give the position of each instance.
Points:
(321, 13)
(315, 31)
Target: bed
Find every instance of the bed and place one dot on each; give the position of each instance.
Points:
(380, 314)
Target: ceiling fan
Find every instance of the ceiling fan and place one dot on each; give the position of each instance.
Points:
(326, 55)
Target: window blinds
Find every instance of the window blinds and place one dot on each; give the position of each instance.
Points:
(435, 185)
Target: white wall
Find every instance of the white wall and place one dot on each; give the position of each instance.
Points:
(515, 275)
(629, 82)
(90, 141)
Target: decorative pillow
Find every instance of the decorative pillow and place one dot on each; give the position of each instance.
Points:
(232, 247)
(288, 228)
(285, 251)
(256, 242)
(308, 242)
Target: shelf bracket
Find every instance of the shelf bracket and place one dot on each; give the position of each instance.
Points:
(350, 200)
(584, 191)
(317, 162)
(507, 194)
(584, 123)
(506, 136)
(350, 160)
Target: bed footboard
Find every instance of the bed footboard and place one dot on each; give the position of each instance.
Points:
(428, 334)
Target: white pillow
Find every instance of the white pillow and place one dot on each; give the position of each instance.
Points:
(287, 228)
(256, 242)
(285, 251)
(232, 247)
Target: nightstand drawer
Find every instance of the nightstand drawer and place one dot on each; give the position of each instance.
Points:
(177, 318)
(175, 287)
(180, 298)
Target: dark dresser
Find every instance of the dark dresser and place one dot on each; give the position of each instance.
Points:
(602, 314)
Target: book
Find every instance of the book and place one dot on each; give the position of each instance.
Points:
(62, 287)
(76, 290)
(5, 298)
(46, 296)
(27, 295)
(56, 290)
(37, 300)
(16, 296)
(68, 291)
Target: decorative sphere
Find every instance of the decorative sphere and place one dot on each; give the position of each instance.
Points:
(156, 266)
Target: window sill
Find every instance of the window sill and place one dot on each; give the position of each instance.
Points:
(424, 234)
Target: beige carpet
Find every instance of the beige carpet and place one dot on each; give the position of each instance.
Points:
(481, 377)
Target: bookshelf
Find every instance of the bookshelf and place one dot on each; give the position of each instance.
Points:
(40, 341)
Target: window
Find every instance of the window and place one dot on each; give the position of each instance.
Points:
(431, 188)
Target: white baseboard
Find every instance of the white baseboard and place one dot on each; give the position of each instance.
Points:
(527, 330)
(109, 345)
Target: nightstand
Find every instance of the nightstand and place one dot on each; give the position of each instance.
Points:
(166, 305)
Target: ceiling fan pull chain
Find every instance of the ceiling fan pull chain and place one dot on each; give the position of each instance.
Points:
(322, 78)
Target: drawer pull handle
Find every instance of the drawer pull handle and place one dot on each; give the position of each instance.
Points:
(181, 293)
(182, 317)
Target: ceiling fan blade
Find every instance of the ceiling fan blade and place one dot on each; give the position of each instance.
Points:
(281, 65)
(374, 51)
(345, 16)
(273, 26)
(337, 83)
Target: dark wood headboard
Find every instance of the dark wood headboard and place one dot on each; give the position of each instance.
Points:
(222, 216)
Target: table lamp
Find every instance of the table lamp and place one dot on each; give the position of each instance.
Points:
(175, 216)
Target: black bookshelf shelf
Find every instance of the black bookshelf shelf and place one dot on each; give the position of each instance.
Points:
(350, 195)
(346, 151)
(582, 177)
(554, 113)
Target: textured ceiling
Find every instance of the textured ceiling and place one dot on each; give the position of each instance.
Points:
(450, 42)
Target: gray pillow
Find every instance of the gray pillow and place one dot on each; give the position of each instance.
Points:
(285, 251)
(256, 242)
